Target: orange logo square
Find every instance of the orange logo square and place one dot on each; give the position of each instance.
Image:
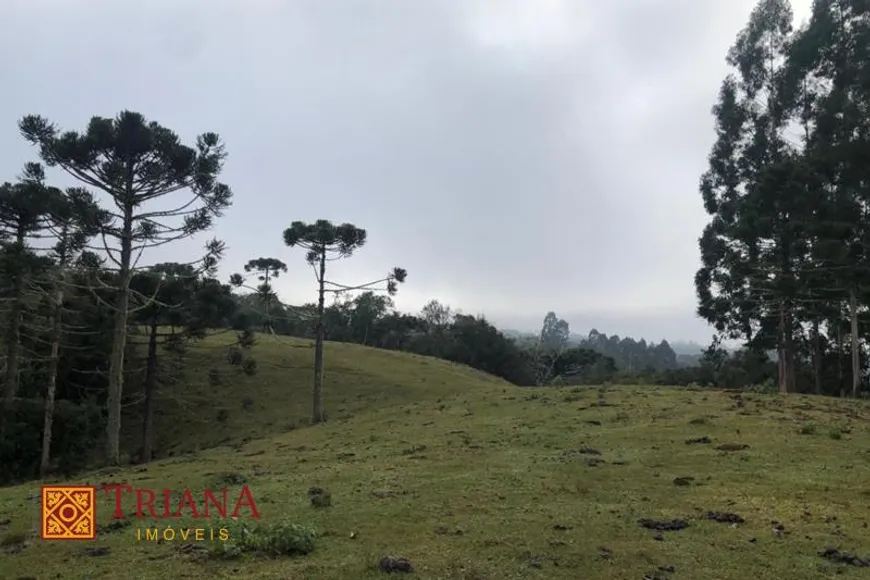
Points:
(68, 512)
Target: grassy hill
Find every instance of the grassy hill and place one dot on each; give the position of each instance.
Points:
(197, 414)
(471, 478)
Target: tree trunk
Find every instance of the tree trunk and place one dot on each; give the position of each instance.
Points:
(790, 359)
(150, 393)
(51, 388)
(840, 383)
(817, 358)
(317, 411)
(856, 353)
(781, 354)
(119, 344)
(13, 344)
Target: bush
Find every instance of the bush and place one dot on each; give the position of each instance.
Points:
(77, 430)
(809, 429)
(768, 387)
(285, 539)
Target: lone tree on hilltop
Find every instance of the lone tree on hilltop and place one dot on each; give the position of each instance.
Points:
(137, 163)
(325, 242)
(548, 347)
(266, 269)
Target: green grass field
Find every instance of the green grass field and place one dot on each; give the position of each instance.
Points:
(471, 478)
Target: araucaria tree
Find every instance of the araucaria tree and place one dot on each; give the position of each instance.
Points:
(324, 242)
(266, 270)
(138, 165)
(22, 214)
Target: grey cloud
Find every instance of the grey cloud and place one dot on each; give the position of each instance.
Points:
(514, 160)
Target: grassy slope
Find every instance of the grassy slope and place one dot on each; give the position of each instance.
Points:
(469, 478)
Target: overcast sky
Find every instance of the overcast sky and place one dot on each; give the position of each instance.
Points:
(514, 156)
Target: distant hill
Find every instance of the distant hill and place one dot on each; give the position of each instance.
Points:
(688, 360)
(689, 347)
(688, 351)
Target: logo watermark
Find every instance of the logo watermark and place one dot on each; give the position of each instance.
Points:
(69, 512)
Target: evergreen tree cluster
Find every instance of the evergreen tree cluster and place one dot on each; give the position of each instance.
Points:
(785, 253)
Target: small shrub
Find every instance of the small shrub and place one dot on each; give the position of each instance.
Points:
(214, 377)
(230, 478)
(235, 356)
(76, 433)
(285, 539)
(768, 387)
(835, 434)
(809, 429)
(249, 367)
(320, 498)
(222, 416)
(247, 403)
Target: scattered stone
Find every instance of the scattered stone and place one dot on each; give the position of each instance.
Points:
(778, 529)
(663, 525)
(659, 537)
(732, 447)
(193, 551)
(594, 422)
(683, 481)
(414, 449)
(724, 517)
(113, 526)
(562, 528)
(593, 461)
(391, 564)
(588, 451)
(605, 553)
(5, 522)
(838, 557)
(387, 494)
(699, 440)
(661, 573)
(100, 551)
